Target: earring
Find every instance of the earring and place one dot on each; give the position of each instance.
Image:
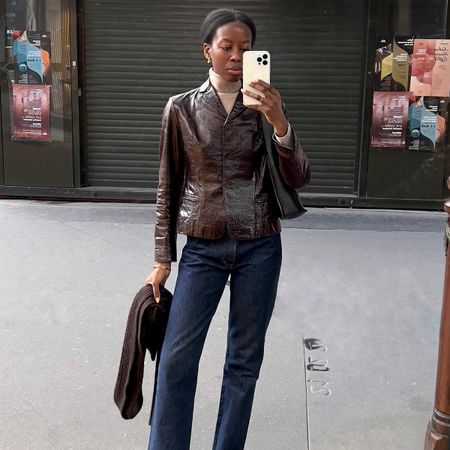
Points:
(209, 61)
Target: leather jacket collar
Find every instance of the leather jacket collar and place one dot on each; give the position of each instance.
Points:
(210, 96)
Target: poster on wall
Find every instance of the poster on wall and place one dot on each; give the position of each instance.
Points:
(31, 51)
(389, 119)
(430, 71)
(31, 112)
(383, 65)
(427, 124)
(392, 63)
(402, 49)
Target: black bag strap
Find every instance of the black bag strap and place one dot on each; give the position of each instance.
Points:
(288, 201)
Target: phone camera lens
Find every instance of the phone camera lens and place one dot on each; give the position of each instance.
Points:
(265, 62)
(265, 56)
(259, 59)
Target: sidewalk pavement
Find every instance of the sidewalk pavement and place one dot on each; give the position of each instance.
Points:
(366, 283)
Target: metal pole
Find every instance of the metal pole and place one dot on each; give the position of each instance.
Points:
(438, 432)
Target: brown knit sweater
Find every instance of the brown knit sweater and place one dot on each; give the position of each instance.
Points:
(146, 326)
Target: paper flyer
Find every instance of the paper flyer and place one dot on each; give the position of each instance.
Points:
(440, 83)
(383, 65)
(430, 71)
(427, 124)
(31, 112)
(401, 59)
(389, 119)
(31, 51)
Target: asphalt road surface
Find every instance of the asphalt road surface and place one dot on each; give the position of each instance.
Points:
(351, 350)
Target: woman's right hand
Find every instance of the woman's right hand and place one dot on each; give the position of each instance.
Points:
(157, 277)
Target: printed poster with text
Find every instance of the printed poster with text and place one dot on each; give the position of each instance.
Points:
(427, 124)
(31, 112)
(31, 51)
(382, 80)
(389, 119)
(401, 59)
(430, 71)
(392, 64)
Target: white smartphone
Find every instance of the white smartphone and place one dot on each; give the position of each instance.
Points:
(256, 65)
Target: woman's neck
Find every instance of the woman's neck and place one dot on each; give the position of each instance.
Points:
(222, 85)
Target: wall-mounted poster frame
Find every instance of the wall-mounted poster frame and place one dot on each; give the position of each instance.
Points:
(414, 171)
(421, 66)
(39, 95)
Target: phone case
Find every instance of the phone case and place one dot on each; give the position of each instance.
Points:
(256, 65)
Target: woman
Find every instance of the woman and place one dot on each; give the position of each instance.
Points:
(213, 187)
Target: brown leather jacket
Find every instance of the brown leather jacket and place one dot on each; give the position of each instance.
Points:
(212, 172)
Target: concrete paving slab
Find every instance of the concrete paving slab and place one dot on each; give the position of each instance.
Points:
(367, 283)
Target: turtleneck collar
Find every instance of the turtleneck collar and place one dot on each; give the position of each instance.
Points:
(221, 85)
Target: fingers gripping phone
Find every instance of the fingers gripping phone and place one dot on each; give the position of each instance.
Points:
(256, 65)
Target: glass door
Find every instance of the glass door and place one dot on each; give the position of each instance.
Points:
(36, 93)
(411, 90)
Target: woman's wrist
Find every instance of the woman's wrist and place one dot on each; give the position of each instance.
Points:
(281, 128)
(159, 265)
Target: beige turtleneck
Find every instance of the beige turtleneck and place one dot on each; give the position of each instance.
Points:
(227, 92)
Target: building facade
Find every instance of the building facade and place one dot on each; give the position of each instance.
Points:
(84, 83)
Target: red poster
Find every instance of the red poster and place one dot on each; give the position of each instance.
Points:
(31, 112)
(389, 119)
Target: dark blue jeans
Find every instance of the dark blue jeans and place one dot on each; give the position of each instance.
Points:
(205, 265)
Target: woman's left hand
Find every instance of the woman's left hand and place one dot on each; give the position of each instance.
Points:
(270, 105)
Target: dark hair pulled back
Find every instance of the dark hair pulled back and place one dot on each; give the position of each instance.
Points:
(215, 19)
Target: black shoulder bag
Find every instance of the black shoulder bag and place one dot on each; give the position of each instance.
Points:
(288, 201)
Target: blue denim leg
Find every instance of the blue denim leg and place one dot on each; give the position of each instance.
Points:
(202, 275)
(203, 271)
(254, 281)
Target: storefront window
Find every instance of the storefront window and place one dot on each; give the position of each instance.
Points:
(36, 87)
(410, 101)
